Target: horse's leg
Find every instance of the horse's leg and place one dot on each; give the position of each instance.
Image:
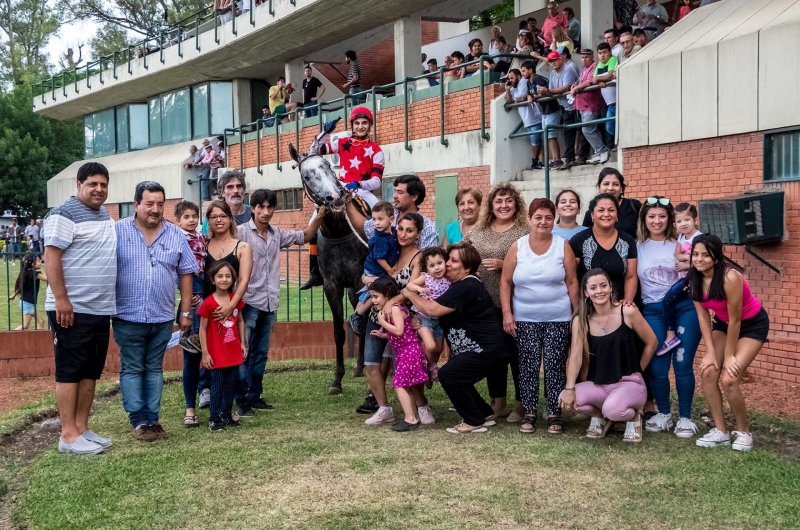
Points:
(334, 295)
(352, 295)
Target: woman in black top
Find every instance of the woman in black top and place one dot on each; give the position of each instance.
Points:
(27, 288)
(612, 182)
(604, 246)
(605, 354)
(474, 333)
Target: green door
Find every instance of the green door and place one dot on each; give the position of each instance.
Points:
(446, 210)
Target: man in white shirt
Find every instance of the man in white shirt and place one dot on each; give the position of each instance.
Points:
(517, 92)
(611, 36)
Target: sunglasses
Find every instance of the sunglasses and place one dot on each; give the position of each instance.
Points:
(663, 201)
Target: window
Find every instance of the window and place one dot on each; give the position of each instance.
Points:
(138, 118)
(782, 155)
(176, 120)
(99, 133)
(289, 199)
(125, 210)
(88, 136)
(200, 120)
(122, 128)
(221, 103)
(154, 110)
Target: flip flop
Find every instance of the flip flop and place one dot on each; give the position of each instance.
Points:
(461, 430)
(190, 421)
(489, 423)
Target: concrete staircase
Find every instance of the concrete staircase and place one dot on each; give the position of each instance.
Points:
(582, 179)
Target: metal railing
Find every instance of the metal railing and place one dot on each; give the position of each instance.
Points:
(547, 127)
(174, 34)
(12, 312)
(349, 100)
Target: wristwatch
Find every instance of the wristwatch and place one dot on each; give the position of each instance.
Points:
(186, 314)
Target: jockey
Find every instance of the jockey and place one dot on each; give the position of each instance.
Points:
(361, 164)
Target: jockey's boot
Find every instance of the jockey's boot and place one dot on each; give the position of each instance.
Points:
(314, 276)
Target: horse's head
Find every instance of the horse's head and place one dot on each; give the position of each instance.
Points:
(319, 179)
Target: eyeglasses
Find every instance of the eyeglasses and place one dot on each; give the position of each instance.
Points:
(218, 217)
(663, 201)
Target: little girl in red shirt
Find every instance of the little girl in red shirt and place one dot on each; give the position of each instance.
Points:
(223, 349)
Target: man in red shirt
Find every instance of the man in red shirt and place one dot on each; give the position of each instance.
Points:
(361, 164)
(590, 106)
(554, 18)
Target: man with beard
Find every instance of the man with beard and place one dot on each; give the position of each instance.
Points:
(152, 258)
(361, 164)
(232, 187)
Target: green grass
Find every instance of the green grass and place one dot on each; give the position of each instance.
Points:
(10, 312)
(313, 464)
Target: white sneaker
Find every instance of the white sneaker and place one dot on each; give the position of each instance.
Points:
(743, 442)
(685, 428)
(105, 443)
(659, 422)
(205, 398)
(79, 446)
(383, 415)
(604, 157)
(714, 438)
(426, 416)
(594, 160)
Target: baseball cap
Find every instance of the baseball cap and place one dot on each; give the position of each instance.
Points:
(552, 56)
(587, 51)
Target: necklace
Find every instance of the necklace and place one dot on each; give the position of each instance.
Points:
(603, 326)
(221, 248)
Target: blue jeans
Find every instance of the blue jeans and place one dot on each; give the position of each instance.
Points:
(258, 330)
(373, 346)
(191, 377)
(357, 100)
(141, 379)
(311, 110)
(681, 358)
(611, 112)
(204, 173)
(16, 248)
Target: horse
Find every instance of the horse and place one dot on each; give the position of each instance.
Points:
(340, 248)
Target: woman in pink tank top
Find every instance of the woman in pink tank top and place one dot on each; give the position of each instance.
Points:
(733, 338)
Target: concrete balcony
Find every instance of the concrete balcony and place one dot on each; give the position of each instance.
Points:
(257, 50)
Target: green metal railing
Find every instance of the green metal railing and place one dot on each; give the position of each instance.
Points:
(160, 39)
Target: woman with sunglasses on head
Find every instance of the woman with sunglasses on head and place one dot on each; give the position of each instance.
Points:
(656, 262)
(612, 182)
(732, 338)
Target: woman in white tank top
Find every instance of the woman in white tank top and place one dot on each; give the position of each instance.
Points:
(538, 290)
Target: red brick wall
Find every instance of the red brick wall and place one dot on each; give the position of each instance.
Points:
(722, 167)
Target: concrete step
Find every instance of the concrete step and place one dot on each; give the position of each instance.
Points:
(582, 179)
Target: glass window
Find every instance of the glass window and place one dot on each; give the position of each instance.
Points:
(122, 129)
(154, 109)
(176, 118)
(221, 107)
(138, 117)
(782, 156)
(200, 111)
(88, 136)
(104, 133)
(291, 199)
(125, 210)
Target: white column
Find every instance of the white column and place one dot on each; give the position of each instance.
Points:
(596, 17)
(523, 7)
(293, 71)
(407, 49)
(242, 102)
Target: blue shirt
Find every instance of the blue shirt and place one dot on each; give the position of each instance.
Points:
(382, 245)
(567, 233)
(147, 276)
(453, 233)
(429, 237)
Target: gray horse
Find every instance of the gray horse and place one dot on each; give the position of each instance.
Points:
(341, 250)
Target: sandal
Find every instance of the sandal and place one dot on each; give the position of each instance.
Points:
(598, 428)
(633, 430)
(555, 425)
(528, 425)
(190, 421)
(463, 428)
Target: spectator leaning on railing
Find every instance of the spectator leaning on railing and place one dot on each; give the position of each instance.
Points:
(640, 38)
(563, 76)
(590, 105)
(475, 52)
(606, 72)
(517, 89)
(628, 48)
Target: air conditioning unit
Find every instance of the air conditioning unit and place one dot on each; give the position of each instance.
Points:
(748, 219)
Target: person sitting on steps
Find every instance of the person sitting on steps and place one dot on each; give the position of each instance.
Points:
(361, 163)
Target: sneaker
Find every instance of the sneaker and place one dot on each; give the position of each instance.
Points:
(105, 443)
(358, 323)
(685, 428)
(370, 405)
(566, 165)
(426, 416)
(604, 157)
(659, 422)
(404, 426)
(384, 415)
(187, 344)
(743, 442)
(536, 165)
(245, 411)
(556, 164)
(230, 422)
(594, 160)
(714, 438)
(669, 345)
(205, 399)
(214, 426)
(145, 433)
(159, 430)
(194, 340)
(260, 404)
(79, 446)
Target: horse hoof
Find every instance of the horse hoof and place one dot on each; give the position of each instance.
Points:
(358, 372)
(335, 390)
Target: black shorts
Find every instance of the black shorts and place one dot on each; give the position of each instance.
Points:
(80, 349)
(756, 328)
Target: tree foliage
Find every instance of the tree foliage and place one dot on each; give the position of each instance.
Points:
(32, 150)
(501, 12)
(25, 28)
(142, 18)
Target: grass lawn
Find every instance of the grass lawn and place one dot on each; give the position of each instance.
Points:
(313, 464)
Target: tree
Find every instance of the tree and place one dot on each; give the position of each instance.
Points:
(32, 150)
(109, 39)
(27, 25)
(502, 12)
(142, 18)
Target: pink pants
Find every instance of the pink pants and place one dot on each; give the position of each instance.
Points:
(619, 402)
